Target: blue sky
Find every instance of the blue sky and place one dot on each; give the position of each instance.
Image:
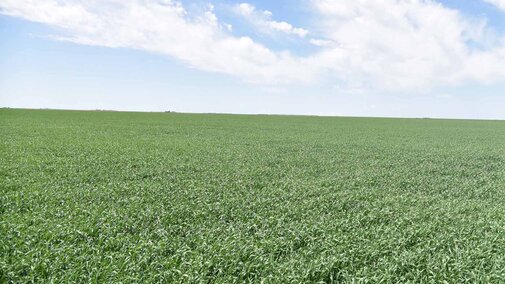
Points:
(315, 57)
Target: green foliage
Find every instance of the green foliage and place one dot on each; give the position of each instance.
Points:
(109, 197)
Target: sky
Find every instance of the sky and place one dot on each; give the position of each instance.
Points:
(392, 58)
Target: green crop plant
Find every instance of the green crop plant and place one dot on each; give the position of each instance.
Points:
(113, 197)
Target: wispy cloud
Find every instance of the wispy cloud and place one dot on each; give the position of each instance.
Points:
(320, 42)
(498, 3)
(165, 27)
(386, 45)
(262, 19)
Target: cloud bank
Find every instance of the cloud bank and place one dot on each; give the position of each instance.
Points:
(382, 45)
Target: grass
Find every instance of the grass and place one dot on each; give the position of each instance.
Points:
(109, 197)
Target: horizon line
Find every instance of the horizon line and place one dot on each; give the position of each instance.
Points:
(255, 114)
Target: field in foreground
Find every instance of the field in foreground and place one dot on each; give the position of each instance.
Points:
(156, 197)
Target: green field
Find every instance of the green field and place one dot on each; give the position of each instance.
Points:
(109, 197)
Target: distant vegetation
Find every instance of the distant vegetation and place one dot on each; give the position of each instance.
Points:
(110, 197)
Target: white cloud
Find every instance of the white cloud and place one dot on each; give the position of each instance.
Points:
(248, 9)
(320, 42)
(262, 20)
(405, 44)
(287, 28)
(381, 45)
(498, 3)
(165, 27)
